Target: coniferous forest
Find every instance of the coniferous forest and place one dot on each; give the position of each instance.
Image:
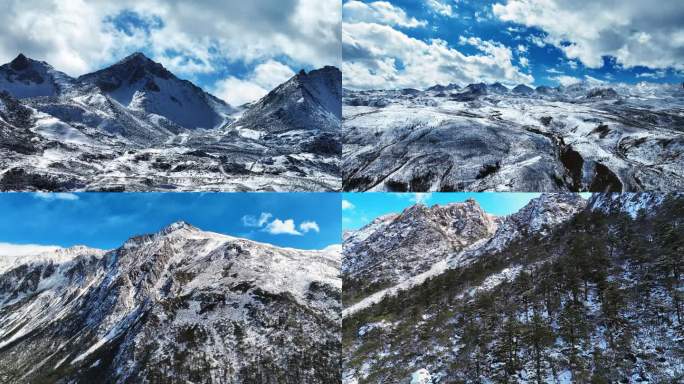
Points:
(598, 300)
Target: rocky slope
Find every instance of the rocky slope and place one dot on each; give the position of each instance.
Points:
(394, 248)
(136, 126)
(491, 138)
(178, 306)
(592, 294)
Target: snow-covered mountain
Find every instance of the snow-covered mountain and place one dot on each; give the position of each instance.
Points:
(560, 282)
(395, 253)
(176, 306)
(537, 218)
(24, 77)
(136, 126)
(142, 84)
(583, 137)
(394, 248)
(307, 101)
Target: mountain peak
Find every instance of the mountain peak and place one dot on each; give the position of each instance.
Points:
(138, 59)
(136, 55)
(177, 226)
(139, 83)
(522, 89)
(20, 62)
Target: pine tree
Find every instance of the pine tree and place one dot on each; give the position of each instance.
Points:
(539, 336)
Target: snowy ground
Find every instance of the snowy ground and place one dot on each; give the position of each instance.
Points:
(432, 141)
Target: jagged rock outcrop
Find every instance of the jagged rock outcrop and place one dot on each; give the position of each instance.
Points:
(396, 247)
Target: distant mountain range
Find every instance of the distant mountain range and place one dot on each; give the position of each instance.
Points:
(136, 126)
(181, 305)
(488, 137)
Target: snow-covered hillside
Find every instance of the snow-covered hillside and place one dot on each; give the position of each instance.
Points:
(565, 290)
(176, 306)
(394, 248)
(136, 126)
(488, 137)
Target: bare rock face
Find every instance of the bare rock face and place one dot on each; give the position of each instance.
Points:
(394, 248)
(20, 63)
(538, 218)
(175, 306)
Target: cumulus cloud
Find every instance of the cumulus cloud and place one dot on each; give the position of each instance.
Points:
(346, 204)
(253, 221)
(257, 84)
(566, 80)
(78, 36)
(276, 226)
(440, 8)
(17, 250)
(65, 196)
(279, 227)
(636, 33)
(379, 56)
(307, 226)
(381, 12)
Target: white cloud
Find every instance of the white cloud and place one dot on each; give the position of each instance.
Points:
(440, 7)
(77, 36)
(537, 40)
(56, 196)
(636, 33)
(257, 84)
(237, 92)
(279, 227)
(566, 80)
(381, 12)
(346, 204)
(16, 250)
(421, 198)
(373, 54)
(593, 81)
(307, 226)
(253, 221)
(524, 61)
(659, 74)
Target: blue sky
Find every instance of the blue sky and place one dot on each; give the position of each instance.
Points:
(402, 43)
(106, 220)
(238, 50)
(360, 209)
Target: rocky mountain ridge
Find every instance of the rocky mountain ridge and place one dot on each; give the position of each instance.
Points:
(181, 304)
(396, 247)
(136, 126)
